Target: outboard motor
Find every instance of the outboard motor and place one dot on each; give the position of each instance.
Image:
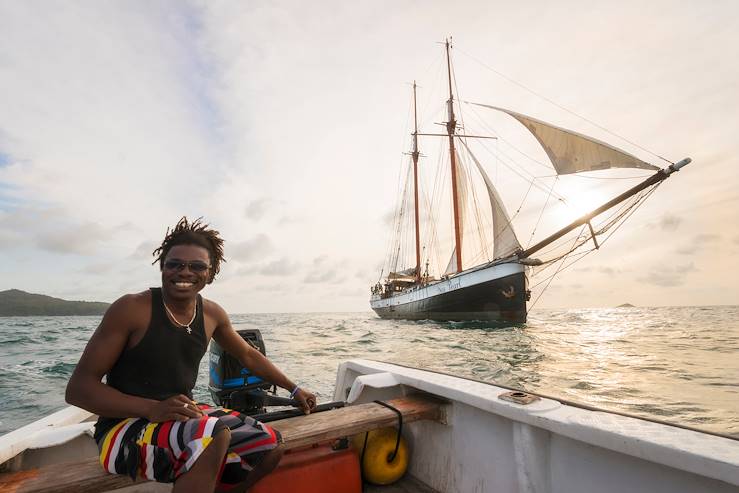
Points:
(234, 387)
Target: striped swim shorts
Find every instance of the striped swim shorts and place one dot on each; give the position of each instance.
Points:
(164, 451)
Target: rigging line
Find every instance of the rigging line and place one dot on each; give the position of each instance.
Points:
(399, 224)
(541, 214)
(523, 201)
(509, 223)
(426, 114)
(624, 206)
(397, 218)
(431, 236)
(399, 186)
(564, 108)
(480, 228)
(632, 211)
(501, 152)
(500, 155)
(439, 180)
(546, 287)
(577, 175)
(478, 219)
(554, 261)
(582, 255)
(503, 158)
(584, 239)
(489, 127)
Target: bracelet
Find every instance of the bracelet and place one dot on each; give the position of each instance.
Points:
(295, 391)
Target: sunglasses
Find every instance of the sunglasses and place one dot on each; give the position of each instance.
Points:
(194, 266)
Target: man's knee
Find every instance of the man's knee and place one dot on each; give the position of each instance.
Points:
(272, 458)
(222, 439)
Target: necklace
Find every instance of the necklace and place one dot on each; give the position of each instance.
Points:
(184, 326)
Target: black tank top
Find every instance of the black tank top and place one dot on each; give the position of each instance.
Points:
(164, 363)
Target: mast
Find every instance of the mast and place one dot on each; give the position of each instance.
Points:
(451, 126)
(414, 155)
(652, 180)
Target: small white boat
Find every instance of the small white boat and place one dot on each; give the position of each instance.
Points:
(489, 439)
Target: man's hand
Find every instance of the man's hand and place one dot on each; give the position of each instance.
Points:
(306, 400)
(176, 408)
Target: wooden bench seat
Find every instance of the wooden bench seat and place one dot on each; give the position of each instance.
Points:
(87, 476)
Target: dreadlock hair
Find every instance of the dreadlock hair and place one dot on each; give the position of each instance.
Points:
(193, 233)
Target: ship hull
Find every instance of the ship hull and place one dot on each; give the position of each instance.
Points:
(494, 293)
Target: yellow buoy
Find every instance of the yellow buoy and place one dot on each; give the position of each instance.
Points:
(377, 467)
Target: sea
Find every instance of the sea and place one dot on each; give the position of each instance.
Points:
(675, 364)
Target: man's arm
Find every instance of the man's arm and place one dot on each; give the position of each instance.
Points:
(85, 388)
(256, 362)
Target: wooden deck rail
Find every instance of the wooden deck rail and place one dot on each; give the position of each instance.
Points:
(88, 477)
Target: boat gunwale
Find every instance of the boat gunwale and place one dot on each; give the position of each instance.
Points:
(692, 451)
(567, 402)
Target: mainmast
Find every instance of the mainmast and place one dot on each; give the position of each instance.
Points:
(414, 155)
(451, 126)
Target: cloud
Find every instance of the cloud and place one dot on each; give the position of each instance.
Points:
(668, 222)
(609, 271)
(668, 276)
(251, 248)
(256, 208)
(98, 268)
(320, 260)
(321, 276)
(352, 292)
(114, 122)
(143, 251)
(286, 220)
(698, 243)
(82, 239)
(281, 267)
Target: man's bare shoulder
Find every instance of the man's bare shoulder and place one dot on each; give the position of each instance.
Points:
(131, 306)
(213, 309)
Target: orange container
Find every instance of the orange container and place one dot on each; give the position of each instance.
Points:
(318, 469)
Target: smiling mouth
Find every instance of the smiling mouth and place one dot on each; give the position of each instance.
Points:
(184, 284)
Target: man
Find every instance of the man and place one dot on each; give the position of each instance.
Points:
(149, 345)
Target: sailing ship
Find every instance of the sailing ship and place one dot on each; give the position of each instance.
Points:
(497, 289)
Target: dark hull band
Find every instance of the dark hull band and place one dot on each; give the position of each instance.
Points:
(502, 300)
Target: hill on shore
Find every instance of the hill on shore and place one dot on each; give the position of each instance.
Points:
(17, 303)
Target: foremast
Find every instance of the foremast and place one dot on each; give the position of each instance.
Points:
(414, 156)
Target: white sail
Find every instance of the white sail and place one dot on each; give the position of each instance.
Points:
(505, 242)
(462, 180)
(571, 152)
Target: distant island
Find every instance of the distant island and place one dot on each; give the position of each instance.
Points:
(17, 303)
(625, 305)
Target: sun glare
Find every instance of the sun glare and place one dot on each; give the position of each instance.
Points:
(578, 204)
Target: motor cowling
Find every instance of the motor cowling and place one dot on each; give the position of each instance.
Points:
(232, 385)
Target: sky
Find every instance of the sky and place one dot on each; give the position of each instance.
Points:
(283, 124)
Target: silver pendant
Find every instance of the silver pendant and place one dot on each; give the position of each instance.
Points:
(189, 330)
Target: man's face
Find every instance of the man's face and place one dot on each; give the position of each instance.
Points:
(182, 274)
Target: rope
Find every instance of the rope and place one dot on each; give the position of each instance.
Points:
(541, 213)
(554, 103)
(391, 457)
(620, 217)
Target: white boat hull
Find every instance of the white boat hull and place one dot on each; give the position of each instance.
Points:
(491, 445)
